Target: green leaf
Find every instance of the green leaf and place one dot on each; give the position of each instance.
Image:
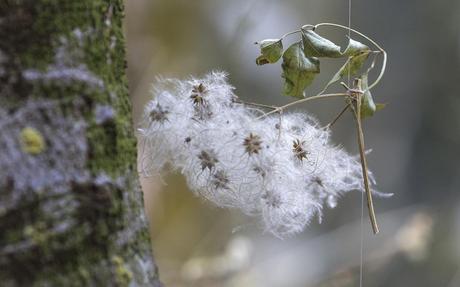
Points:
(317, 46)
(357, 54)
(354, 48)
(354, 64)
(368, 106)
(271, 51)
(299, 70)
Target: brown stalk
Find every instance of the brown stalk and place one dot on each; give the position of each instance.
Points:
(357, 113)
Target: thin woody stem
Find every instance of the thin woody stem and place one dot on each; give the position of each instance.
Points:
(362, 154)
(255, 104)
(329, 125)
(317, 97)
(290, 33)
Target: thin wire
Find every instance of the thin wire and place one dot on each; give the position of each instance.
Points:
(362, 194)
(349, 35)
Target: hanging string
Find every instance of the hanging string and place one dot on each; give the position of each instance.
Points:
(361, 250)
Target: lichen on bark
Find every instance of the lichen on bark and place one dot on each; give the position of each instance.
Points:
(71, 211)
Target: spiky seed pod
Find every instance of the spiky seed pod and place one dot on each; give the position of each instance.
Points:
(208, 160)
(220, 180)
(198, 93)
(299, 152)
(159, 114)
(252, 144)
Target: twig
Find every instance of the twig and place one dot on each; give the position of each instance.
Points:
(329, 125)
(362, 154)
(317, 97)
(290, 33)
(254, 104)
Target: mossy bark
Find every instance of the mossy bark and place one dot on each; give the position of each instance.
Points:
(71, 210)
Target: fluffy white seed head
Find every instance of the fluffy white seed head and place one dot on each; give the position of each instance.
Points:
(283, 169)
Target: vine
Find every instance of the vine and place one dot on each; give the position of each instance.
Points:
(300, 65)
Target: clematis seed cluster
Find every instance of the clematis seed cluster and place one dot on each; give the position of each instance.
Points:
(282, 169)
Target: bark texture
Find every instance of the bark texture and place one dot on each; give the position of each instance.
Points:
(71, 209)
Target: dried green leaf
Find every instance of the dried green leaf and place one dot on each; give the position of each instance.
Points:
(271, 51)
(298, 70)
(368, 107)
(353, 64)
(317, 46)
(354, 48)
(357, 54)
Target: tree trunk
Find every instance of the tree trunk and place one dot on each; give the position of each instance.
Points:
(71, 209)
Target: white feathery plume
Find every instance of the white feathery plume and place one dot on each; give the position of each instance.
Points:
(283, 169)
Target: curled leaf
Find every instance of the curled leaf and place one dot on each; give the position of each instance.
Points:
(271, 51)
(317, 46)
(354, 48)
(368, 107)
(299, 70)
(357, 54)
(354, 64)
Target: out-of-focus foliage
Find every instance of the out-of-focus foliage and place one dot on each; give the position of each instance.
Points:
(415, 142)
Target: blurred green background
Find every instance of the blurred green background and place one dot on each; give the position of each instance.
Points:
(415, 142)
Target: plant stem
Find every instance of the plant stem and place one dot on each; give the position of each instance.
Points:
(362, 154)
(255, 104)
(329, 125)
(317, 97)
(290, 33)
